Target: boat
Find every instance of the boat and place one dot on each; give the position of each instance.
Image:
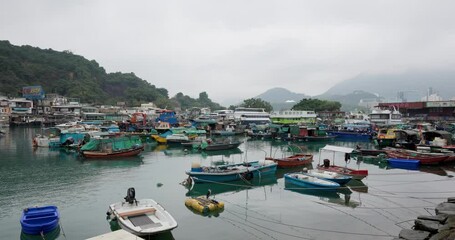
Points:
(216, 146)
(360, 132)
(39, 220)
(386, 137)
(116, 147)
(304, 180)
(326, 175)
(141, 217)
(231, 172)
(424, 158)
(296, 160)
(385, 117)
(410, 164)
(355, 174)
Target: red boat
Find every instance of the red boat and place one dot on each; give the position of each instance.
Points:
(124, 153)
(355, 174)
(424, 158)
(297, 160)
(326, 166)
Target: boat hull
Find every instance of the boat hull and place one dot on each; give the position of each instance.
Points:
(297, 160)
(219, 147)
(128, 153)
(160, 220)
(410, 164)
(321, 184)
(355, 174)
(350, 135)
(40, 220)
(253, 171)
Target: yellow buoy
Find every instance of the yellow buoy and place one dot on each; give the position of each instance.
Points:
(203, 204)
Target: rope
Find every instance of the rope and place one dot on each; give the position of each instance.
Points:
(63, 232)
(307, 228)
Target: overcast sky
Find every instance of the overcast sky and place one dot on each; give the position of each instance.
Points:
(239, 49)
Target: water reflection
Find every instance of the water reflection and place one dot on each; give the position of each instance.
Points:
(54, 234)
(357, 186)
(341, 196)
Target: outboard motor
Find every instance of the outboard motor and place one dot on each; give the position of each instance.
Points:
(131, 196)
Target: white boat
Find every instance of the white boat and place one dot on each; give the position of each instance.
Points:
(141, 217)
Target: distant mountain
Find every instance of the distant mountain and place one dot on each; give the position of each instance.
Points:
(281, 98)
(413, 85)
(350, 101)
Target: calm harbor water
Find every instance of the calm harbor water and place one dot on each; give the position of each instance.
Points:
(376, 208)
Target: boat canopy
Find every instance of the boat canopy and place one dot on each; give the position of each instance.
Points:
(337, 149)
(115, 144)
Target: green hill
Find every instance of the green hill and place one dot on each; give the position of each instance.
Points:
(74, 76)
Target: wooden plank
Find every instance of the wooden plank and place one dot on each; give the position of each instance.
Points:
(137, 212)
(117, 235)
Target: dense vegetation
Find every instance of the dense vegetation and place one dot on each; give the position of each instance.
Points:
(317, 105)
(255, 103)
(186, 102)
(74, 76)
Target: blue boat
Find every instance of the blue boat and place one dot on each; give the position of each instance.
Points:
(362, 136)
(39, 220)
(304, 180)
(331, 176)
(410, 164)
(231, 172)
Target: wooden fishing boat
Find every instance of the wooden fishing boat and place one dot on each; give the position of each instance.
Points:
(231, 172)
(39, 220)
(296, 160)
(111, 154)
(358, 174)
(141, 217)
(217, 146)
(126, 146)
(424, 158)
(304, 180)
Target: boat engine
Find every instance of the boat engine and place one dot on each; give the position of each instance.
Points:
(131, 196)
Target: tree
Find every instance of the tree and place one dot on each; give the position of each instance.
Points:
(317, 105)
(257, 103)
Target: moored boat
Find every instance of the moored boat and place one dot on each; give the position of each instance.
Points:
(410, 164)
(424, 158)
(358, 174)
(296, 160)
(326, 175)
(39, 220)
(231, 172)
(304, 180)
(141, 217)
(113, 147)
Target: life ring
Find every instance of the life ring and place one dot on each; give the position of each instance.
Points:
(247, 175)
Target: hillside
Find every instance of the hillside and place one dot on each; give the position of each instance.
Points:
(350, 101)
(414, 84)
(72, 75)
(281, 98)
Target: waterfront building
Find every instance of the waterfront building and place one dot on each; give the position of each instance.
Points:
(246, 116)
(424, 111)
(293, 117)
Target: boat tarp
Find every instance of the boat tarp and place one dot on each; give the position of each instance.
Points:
(116, 144)
(294, 149)
(337, 149)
